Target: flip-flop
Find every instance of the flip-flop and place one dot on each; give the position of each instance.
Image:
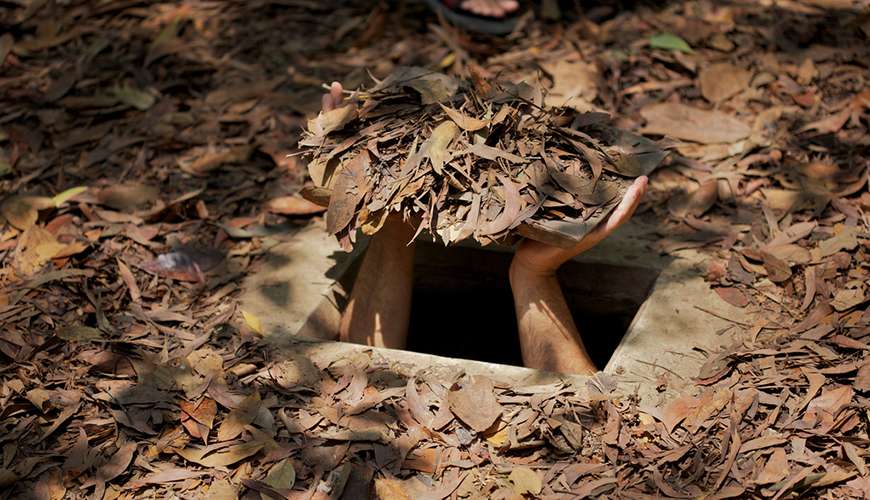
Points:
(453, 12)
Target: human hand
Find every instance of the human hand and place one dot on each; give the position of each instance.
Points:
(333, 98)
(536, 258)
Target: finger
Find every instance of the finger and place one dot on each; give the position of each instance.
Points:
(336, 91)
(326, 102)
(509, 5)
(623, 211)
(628, 205)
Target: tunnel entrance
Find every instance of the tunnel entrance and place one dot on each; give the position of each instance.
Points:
(463, 308)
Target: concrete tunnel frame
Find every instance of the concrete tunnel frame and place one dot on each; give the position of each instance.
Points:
(294, 296)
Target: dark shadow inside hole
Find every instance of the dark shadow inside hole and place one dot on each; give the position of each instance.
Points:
(463, 307)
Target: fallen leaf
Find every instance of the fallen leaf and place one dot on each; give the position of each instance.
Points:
(512, 207)
(722, 80)
(201, 161)
(293, 205)
(282, 476)
(474, 402)
(332, 120)
(23, 211)
(79, 333)
(777, 269)
(224, 456)
(776, 468)
(575, 84)
(139, 99)
(348, 190)
(67, 195)
(684, 122)
(465, 122)
(252, 321)
(36, 247)
(733, 296)
(855, 456)
(849, 298)
(432, 86)
(669, 41)
(235, 422)
(127, 197)
(862, 380)
(695, 203)
(525, 481)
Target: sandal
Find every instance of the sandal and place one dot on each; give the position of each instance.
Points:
(453, 12)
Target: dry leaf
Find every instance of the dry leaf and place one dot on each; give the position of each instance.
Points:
(684, 122)
(23, 211)
(723, 80)
(525, 481)
(282, 476)
(473, 401)
(575, 84)
(733, 296)
(695, 203)
(224, 456)
(239, 417)
(465, 122)
(776, 468)
(128, 197)
(293, 205)
(332, 120)
(252, 321)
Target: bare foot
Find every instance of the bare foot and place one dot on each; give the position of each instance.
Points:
(491, 8)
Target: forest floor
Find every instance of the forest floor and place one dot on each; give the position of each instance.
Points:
(144, 172)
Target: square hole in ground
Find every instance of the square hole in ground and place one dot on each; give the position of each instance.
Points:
(462, 305)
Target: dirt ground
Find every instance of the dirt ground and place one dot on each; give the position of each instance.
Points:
(144, 171)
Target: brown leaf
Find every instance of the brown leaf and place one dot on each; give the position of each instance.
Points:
(776, 468)
(35, 248)
(293, 205)
(474, 402)
(23, 211)
(849, 298)
(777, 270)
(684, 122)
(349, 189)
(464, 121)
(224, 456)
(332, 120)
(862, 380)
(695, 203)
(129, 280)
(525, 481)
(235, 422)
(512, 207)
(575, 84)
(201, 161)
(432, 86)
(388, 488)
(491, 153)
(854, 454)
(435, 147)
(733, 296)
(722, 80)
(127, 197)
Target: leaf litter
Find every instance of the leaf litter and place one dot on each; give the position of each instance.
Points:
(487, 166)
(115, 380)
